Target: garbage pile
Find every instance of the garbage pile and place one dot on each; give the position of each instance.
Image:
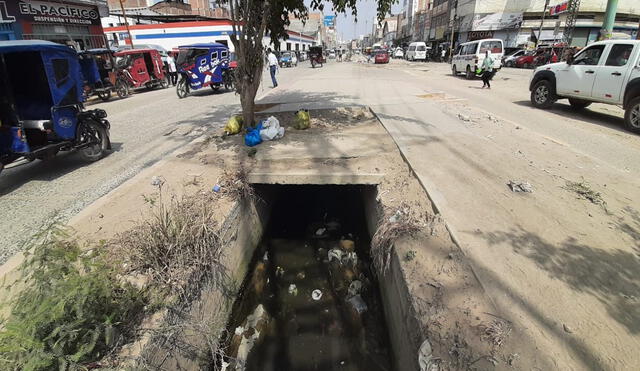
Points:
(313, 295)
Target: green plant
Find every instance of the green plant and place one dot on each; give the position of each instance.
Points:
(70, 308)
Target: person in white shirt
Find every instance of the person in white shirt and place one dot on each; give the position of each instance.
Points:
(173, 72)
(273, 67)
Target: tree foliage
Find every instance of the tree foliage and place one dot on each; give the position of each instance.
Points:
(70, 309)
(255, 19)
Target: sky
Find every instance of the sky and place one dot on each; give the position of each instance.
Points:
(345, 24)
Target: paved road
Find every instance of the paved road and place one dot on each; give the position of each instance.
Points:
(562, 268)
(34, 194)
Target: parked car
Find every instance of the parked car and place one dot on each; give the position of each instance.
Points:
(469, 56)
(287, 60)
(510, 59)
(332, 54)
(604, 72)
(543, 55)
(417, 51)
(382, 56)
(398, 53)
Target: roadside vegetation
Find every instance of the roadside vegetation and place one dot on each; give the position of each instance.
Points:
(72, 307)
(75, 306)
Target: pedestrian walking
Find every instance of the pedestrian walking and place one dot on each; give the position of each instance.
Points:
(443, 55)
(173, 71)
(273, 67)
(487, 70)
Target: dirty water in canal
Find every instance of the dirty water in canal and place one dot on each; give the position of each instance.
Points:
(310, 300)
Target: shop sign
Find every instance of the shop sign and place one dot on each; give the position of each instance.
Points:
(5, 17)
(479, 35)
(558, 9)
(496, 21)
(54, 12)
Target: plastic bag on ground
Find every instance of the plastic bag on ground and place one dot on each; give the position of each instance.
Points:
(234, 125)
(252, 138)
(303, 120)
(271, 129)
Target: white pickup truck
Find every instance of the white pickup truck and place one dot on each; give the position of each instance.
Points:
(604, 72)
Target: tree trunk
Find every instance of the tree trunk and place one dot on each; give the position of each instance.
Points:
(248, 95)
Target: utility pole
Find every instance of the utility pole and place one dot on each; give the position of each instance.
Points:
(544, 13)
(126, 23)
(609, 19)
(453, 26)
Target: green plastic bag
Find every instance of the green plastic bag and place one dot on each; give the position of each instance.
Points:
(234, 125)
(303, 120)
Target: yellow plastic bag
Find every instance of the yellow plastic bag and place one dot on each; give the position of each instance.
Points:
(303, 120)
(234, 125)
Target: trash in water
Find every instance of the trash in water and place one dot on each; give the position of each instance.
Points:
(279, 271)
(255, 324)
(335, 254)
(357, 304)
(355, 288)
(321, 231)
(216, 188)
(333, 226)
(265, 257)
(316, 294)
(271, 129)
(520, 186)
(293, 290)
(350, 258)
(239, 330)
(425, 356)
(300, 275)
(348, 245)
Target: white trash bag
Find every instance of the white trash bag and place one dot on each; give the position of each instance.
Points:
(271, 129)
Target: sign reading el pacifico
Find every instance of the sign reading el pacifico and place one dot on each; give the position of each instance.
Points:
(56, 12)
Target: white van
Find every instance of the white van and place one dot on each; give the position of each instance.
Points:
(470, 55)
(416, 51)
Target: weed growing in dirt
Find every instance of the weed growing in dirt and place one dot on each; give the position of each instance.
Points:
(236, 185)
(410, 255)
(389, 230)
(178, 246)
(70, 308)
(583, 190)
(495, 332)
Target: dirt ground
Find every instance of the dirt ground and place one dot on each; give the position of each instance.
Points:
(438, 297)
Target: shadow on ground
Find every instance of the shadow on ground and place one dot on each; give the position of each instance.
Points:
(45, 170)
(611, 276)
(586, 115)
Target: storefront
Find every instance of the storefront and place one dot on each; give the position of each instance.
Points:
(67, 22)
(7, 23)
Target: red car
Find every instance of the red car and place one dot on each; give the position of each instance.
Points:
(538, 58)
(382, 57)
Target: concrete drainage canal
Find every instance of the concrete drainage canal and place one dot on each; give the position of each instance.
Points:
(310, 299)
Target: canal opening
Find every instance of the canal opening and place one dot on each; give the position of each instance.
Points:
(310, 300)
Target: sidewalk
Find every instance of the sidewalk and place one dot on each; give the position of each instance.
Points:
(562, 267)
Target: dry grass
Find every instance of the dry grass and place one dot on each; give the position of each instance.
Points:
(583, 190)
(236, 185)
(495, 333)
(178, 246)
(389, 230)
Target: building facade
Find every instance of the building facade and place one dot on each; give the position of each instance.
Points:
(174, 34)
(514, 21)
(205, 8)
(71, 22)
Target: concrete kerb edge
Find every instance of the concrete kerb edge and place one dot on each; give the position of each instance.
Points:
(452, 231)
